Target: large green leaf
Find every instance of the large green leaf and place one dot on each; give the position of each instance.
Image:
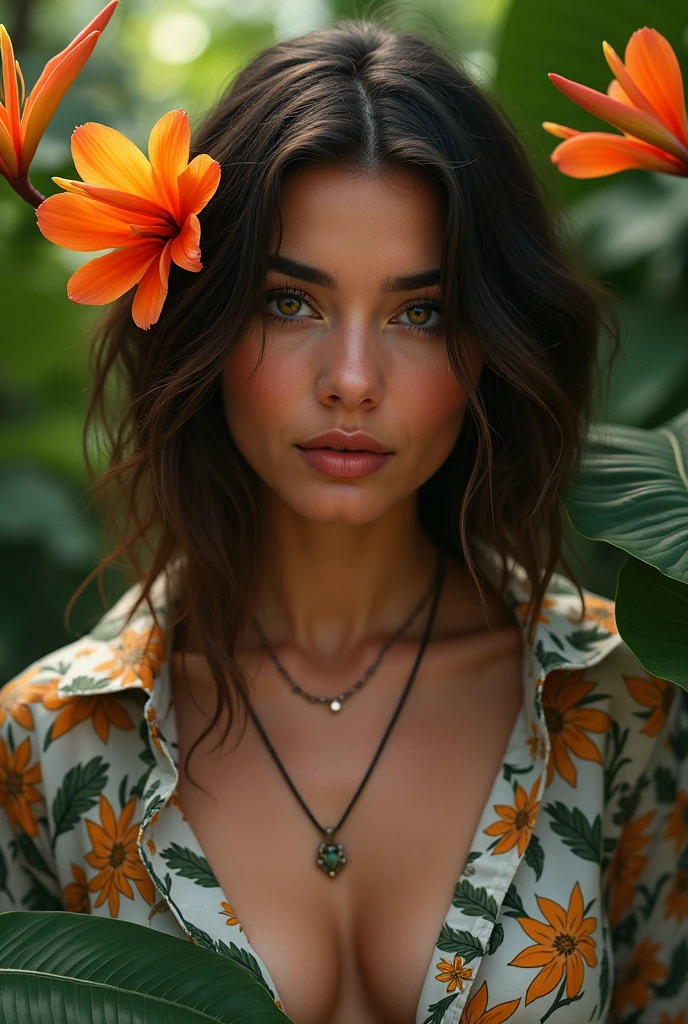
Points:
(632, 492)
(652, 617)
(64, 968)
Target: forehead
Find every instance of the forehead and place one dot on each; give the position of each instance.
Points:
(333, 213)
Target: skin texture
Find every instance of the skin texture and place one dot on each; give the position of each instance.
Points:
(345, 561)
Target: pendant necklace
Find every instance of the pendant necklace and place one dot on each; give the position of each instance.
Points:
(330, 855)
(335, 703)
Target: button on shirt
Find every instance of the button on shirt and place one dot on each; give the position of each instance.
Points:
(572, 903)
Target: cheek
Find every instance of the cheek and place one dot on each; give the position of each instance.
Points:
(259, 400)
(434, 407)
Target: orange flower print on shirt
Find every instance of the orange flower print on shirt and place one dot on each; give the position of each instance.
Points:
(677, 821)
(15, 696)
(137, 659)
(655, 693)
(103, 709)
(536, 742)
(600, 611)
(561, 945)
(517, 822)
(475, 1011)
(676, 899)
(626, 866)
(228, 912)
(116, 856)
(568, 723)
(523, 608)
(641, 970)
(453, 974)
(18, 785)
(76, 893)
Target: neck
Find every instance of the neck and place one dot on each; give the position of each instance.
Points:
(327, 588)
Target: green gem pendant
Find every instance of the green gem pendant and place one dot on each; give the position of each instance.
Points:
(331, 857)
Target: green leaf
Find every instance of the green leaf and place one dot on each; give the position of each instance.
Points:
(64, 968)
(190, 865)
(631, 491)
(474, 901)
(79, 792)
(460, 943)
(439, 1009)
(496, 938)
(33, 856)
(579, 835)
(535, 856)
(512, 904)
(652, 616)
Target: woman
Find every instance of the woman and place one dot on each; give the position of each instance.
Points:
(340, 453)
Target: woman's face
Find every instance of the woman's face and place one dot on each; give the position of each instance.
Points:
(349, 346)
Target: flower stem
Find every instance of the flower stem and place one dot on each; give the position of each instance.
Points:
(24, 188)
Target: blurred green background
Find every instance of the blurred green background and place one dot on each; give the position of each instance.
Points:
(629, 229)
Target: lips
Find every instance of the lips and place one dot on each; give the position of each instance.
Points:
(343, 440)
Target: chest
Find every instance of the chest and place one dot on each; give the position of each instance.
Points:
(357, 946)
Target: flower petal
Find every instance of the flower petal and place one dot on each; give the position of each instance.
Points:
(632, 93)
(8, 155)
(186, 247)
(628, 119)
(103, 156)
(143, 208)
(545, 981)
(10, 90)
(79, 223)
(560, 130)
(43, 102)
(596, 154)
(152, 291)
(97, 24)
(168, 152)
(652, 64)
(198, 184)
(107, 277)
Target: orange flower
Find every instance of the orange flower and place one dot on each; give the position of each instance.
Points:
(535, 742)
(626, 865)
(523, 608)
(560, 945)
(654, 693)
(76, 893)
(147, 208)
(568, 723)
(676, 899)
(228, 911)
(517, 822)
(23, 121)
(453, 974)
(677, 821)
(138, 658)
(116, 855)
(17, 695)
(474, 1012)
(18, 785)
(102, 708)
(644, 100)
(642, 968)
(601, 611)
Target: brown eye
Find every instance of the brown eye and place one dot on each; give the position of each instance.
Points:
(420, 316)
(287, 304)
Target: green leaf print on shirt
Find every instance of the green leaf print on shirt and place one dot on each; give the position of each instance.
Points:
(475, 902)
(579, 835)
(79, 792)
(460, 943)
(188, 864)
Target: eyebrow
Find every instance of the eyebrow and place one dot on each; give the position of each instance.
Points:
(403, 283)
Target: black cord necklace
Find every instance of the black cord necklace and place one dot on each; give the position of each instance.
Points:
(330, 856)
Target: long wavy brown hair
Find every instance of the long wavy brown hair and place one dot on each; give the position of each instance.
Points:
(175, 488)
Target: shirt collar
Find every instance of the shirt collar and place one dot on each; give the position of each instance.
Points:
(116, 656)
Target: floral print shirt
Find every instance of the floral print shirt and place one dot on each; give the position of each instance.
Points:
(572, 903)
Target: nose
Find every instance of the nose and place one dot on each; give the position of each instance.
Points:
(351, 372)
